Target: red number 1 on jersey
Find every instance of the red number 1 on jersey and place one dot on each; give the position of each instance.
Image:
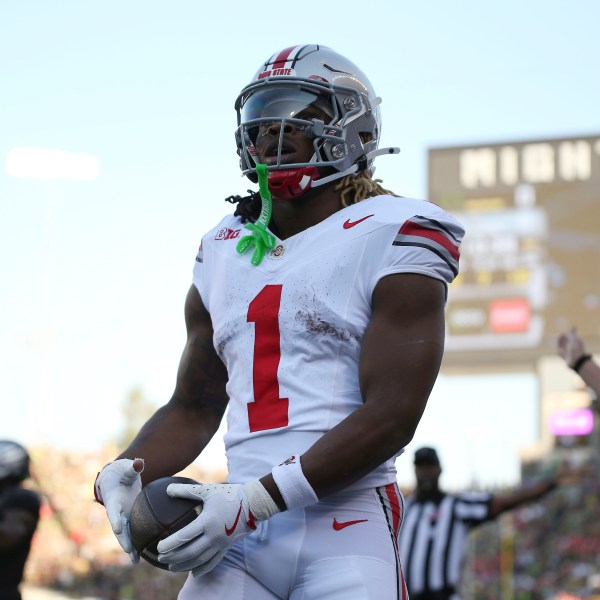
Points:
(268, 411)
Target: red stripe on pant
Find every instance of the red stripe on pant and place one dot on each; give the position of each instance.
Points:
(392, 494)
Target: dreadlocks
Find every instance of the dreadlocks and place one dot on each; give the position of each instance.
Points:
(248, 207)
(352, 189)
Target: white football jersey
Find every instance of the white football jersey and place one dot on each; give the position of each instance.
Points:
(290, 329)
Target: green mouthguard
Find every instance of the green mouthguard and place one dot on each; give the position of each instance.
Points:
(259, 237)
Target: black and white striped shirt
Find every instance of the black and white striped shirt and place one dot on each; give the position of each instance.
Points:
(433, 539)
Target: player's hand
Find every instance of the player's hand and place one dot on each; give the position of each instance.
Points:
(225, 518)
(570, 346)
(116, 487)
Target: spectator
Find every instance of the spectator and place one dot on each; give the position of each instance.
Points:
(19, 514)
(434, 534)
(572, 349)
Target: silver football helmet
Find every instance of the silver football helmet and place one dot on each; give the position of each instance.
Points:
(14, 461)
(313, 89)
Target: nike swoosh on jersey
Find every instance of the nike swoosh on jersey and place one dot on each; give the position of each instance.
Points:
(338, 526)
(350, 223)
(230, 530)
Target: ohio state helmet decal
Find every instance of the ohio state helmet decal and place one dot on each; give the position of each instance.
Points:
(321, 93)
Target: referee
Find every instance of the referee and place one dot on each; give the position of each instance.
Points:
(433, 537)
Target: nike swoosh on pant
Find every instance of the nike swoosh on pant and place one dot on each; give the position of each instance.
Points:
(338, 526)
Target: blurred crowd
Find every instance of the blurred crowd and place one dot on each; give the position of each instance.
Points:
(547, 550)
(74, 549)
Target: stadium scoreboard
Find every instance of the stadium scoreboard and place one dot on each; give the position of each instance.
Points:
(530, 259)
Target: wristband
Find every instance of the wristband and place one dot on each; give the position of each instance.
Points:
(293, 485)
(580, 362)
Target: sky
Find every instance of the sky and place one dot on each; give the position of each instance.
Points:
(94, 273)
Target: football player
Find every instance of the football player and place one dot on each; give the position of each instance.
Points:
(19, 514)
(324, 346)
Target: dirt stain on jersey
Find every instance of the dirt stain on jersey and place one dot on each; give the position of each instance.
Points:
(221, 343)
(317, 326)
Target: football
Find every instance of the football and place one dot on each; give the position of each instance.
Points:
(155, 516)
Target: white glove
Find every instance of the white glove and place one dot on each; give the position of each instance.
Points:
(230, 512)
(116, 487)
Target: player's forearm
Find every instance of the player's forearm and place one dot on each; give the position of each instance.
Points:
(171, 439)
(396, 382)
(400, 358)
(348, 452)
(354, 448)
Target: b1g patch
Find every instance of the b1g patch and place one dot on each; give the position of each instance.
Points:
(277, 252)
(227, 234)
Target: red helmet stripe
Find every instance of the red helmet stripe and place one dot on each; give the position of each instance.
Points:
(286, 55)
(282, 57)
